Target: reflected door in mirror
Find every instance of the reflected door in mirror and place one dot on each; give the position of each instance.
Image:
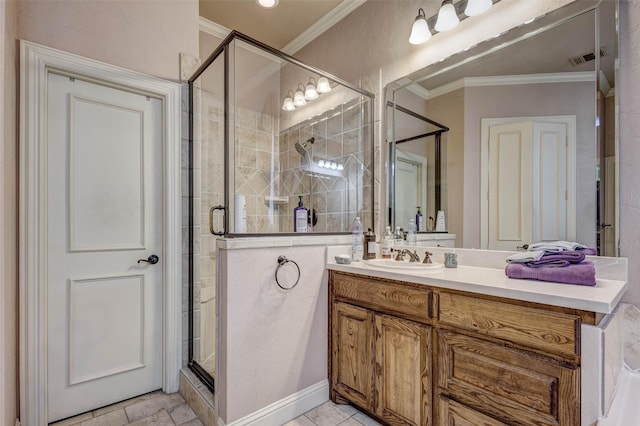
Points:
(527, 182)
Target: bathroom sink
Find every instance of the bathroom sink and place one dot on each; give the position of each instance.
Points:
(403, 265)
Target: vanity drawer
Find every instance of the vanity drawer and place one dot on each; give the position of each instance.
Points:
(405, 300)
(536, 328)
(514, 386)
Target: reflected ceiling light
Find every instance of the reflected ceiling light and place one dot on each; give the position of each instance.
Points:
(288, 105)
(267, 4)
(477, 7)
(323, 85)
(298, 97)
(310, 92)
(420, 32)
(340, 166)
(447, 17)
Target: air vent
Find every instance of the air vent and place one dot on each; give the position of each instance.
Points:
(577, 60)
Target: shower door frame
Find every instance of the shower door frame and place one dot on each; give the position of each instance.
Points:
(223, 49)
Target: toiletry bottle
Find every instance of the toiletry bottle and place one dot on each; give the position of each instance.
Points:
(411, 233)
(419, 223)
(398, 239)
(369, 244)
(356, 240)
(300, 215)
(387, 243)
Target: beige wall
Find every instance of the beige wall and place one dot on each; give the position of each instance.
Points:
(8, 205)
(145, 36)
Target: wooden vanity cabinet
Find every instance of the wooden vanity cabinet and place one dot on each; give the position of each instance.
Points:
(381, 363)
(451, 358)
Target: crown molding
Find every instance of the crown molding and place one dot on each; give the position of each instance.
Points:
(505, 80)
(323, 24)
(213, 28)
(310, 34)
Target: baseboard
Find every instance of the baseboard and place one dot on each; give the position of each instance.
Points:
(286, 409)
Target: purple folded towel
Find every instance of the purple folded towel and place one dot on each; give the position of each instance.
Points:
(583, 273)
(558, 259)
(589, 251)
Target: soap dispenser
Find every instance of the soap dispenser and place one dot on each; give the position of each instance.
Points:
(300, 217)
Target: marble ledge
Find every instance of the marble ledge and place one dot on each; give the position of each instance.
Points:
(482, 272)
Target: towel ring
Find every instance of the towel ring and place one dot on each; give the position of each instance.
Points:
(282, 260)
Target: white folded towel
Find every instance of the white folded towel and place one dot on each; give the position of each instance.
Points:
(525, 256)
(556, 246)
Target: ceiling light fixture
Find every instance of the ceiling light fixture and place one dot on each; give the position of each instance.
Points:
(420, 32)
(267, 4)
(447, 17)
(477, 7)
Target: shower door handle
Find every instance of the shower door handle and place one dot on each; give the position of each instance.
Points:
(224, 219)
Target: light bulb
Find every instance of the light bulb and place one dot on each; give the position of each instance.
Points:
(477, 7)
(323, 85)
(447, 17)
(334, 165)
(321, 163)
(298, 99)
(340, 166)
(420, 32)
(310, 93)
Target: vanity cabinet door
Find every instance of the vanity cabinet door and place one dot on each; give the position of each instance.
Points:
(517, 387)
(450, 413)
(352, 354)
(403, 371)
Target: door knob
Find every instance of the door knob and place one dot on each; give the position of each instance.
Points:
(151, 260)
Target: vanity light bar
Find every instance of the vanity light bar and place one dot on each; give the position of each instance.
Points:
(448, 17)
(304, 93)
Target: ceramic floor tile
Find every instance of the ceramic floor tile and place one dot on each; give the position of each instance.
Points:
(147, 408)
(74, 420)
(194, 422)
(330, 414)
(161, 418)
(350, 422)
(127, 403)
(114, 418)
(365, 420)
(182, 414)
(300, 421)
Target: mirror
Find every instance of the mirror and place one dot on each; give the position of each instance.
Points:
(529, 150)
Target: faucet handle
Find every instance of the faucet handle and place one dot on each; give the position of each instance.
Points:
(400, 255)
(427, 259)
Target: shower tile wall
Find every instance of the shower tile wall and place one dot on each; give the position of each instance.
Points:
(256, 169)
(340, 135)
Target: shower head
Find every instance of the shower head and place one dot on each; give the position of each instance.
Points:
(302, 147)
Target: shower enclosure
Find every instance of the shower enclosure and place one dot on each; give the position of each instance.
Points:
(266, 129)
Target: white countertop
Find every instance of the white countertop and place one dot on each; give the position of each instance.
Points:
(602, 298)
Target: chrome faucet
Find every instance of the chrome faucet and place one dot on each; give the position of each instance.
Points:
(413, 257)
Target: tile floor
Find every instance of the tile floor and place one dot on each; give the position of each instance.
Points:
(157, 408)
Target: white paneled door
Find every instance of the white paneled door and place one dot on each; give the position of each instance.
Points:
(104, 213)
